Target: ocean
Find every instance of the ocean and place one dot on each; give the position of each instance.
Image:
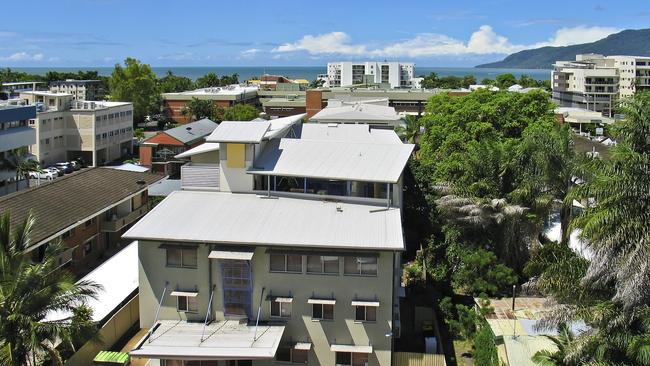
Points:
(294, 72)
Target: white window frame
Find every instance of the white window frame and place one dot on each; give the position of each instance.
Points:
(286, 263)
(188, 309)
(281, 305)
(365, 314)
(322, 311)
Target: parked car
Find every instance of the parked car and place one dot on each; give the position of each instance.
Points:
(75, 165)
(67, 167)
(44, 174)
(58, 172)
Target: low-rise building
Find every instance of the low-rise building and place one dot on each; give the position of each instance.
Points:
(88, 211)
(373, 112)
(80, 89)
(158, 152)
(222, 96)
(15, 137)
(292, 255)
(97, 132)
(10, 90)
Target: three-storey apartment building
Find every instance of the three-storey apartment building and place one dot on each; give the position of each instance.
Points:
(66, 129)
(289, 253)
(595, 82)
(80, 89)
(396, 74)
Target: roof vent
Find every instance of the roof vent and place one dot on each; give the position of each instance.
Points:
(332, 125)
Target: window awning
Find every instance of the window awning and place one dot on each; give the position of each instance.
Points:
(322, 301)
(303, 346)
(350, 348)
(225, 254)
(280, 298)
(365, 303)
(184, 293)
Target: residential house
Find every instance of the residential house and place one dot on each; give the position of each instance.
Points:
(292, 255)
(88, 211)
(158, 152)
(67, 129)
(15, 136)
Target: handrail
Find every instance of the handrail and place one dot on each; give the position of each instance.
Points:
(207, 314)
(259, 310)
(155, 320)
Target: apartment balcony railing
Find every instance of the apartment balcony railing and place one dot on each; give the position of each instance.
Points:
(200, 176)
(117, 223)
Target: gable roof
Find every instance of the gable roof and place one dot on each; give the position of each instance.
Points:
(191, 132)
(235, 218)
(347, 132)
(251, 132)
(72, 199)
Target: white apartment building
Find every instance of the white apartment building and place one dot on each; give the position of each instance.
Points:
(283, 246)
(595, 82)
(80, 89)
(97, 132)
(346, 73)
(15, 136)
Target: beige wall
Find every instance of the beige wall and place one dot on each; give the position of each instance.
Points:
(300, 327)
(210, 157)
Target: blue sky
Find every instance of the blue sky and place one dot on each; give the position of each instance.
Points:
(298, 32)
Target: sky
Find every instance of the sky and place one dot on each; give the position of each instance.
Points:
(459, 33)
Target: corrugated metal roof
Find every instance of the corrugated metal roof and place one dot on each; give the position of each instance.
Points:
(418, 359)
(280, 126)
(215, 217)
(338, 160)
(192, 131)
(250, 132)
(348, 133)
(357, 112)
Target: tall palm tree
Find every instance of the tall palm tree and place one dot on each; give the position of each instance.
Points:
(21, 165)
(29, 291)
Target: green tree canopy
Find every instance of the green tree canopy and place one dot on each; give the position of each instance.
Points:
(238, 112)
(208, 80)
(505, 81)
(199, 108)
(135, 82)
(171, 83)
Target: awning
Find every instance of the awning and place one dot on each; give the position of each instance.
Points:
(221, 340)
(322, 301)
(303, 346)
(280, 298)
(108, 357)
(224, 254)
(365, 303)
(350, 348)
(184, 293)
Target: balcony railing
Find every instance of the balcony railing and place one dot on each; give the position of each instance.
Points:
(200, 176)
(118, 223)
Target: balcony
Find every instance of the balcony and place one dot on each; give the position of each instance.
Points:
(16, 137)
(200, 176)
(119, 222)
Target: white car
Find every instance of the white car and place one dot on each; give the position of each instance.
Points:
(45, 174)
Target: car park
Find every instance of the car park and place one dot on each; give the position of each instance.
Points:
(56, 171)
(75, 165)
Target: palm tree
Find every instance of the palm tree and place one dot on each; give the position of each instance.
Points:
(410, 131)
(558, 358)
(21, 165)
(29, 291)
(496, 216)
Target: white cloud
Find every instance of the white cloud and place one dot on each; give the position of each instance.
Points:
(249, 54)
(577, 35)
(334, 42)
(484, 41)
(23, 56)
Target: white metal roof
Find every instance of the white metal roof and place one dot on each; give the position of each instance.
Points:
(358, 112)
(118, 277)
(203, 148)
(217, 217)
(348, 132)
(251, 132)
(222, 340)
(338, 160)
(279, 126)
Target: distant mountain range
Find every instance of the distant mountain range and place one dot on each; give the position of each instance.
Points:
(627, 42)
